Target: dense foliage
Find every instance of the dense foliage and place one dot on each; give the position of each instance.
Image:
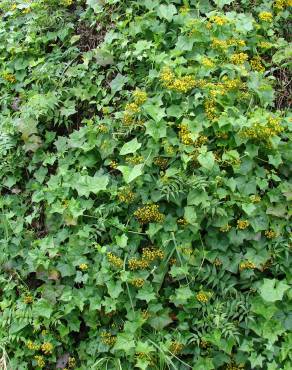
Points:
(144, 208)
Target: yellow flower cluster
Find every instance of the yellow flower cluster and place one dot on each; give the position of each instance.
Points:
(257, 65)
(184, 135)
(126, 195)
(40, 361)
(140, 97)
(204, 344)
(138, 283)
(246, 265)
(9, 77)
(131, 109)
(184, 10)
(233, 366)
(281, 4)
(32, 346)
(149, 213)
(113, 165)
(225, 229)
(217, 262)
(67, 2)
(266, 16)
(115, 260)
(47, 348)
(28, 299)
(203, 297)
(71, 362)
(176, 347)
(225, 44)
(146, 315)
(201, 140)
(238, 58)
(210, 109)
(181, 84)
(102, 128)
(265, 45)
(135, 159)
(219, 21)
(255, 198)
(108, 339)
(161, 162)
(242, 224)
(148, 256)
(263, 132)
(271, 234)
(83, 267)
(208, 63)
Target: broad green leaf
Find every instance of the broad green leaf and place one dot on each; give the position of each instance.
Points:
(85, 184)
(167, 12)
(272, 290)
(131, 173)
(222, 3)
(118, 82)
(125, 342)
(42, 308)
(130, 147)
(207, 160)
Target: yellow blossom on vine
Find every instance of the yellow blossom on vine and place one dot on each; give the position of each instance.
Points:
(265, 45)
(161, 162)
(138, 283)
(115, 260)
(108, 338)
(126, 195)
(219, 44)
(184, 10)
(239, 58)
(40, 361)
(149, 213)
(219, 21)
(32, 346)
(9, 77)
(266, 16)
(246, 265)
(210, 109)
(242, 224)
(203, 297)
(71, 362)
(176, 347)
(271, 234)
(139, 97)
(28, 299)
(47, 348)
(185, 135)
(255, 198)
(138, 264)
(263, 132)
(83, 267)
(208, 63)
(256, 64)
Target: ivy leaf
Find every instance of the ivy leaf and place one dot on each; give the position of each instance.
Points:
(129, 173)
(206, 160)
(42, 308)
(167, 12)
(118, 82)
(273, 290)
(114, 288)
(125, 342)
(130, 147)
(87, 184)
(146, 293)
(160, 321)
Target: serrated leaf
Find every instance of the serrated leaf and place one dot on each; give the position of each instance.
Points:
(206, 160)
(166, 11)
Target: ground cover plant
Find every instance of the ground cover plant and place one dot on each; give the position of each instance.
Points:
(145, 157)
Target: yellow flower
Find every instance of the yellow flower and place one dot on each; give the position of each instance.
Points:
(246, 265)
(219, 21)
(32, 346)
(115, 260)
(208, 63)
(138, 283)
(176, 347)
(225, 229)
(203, 297)
(40, 361)
(149, 213)
(9, 77)
(47, 348)
(210, 109)
(239, 58)
(139, 97)
(83, 267)
(28, 299)
(185, 135)
(126, 195)
(242, 224)
(271, 234)
(108, 338)
(255, 198)
(266, 16)
(256, 64)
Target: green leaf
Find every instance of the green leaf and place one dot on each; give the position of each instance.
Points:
(167, 12)
(222, 3)
(131, 173)
(160, 321)
(87, 184)
(125, 342)
(42, 308)
(118, 82)
(130, 147)
(273, 290)
(207, 160)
